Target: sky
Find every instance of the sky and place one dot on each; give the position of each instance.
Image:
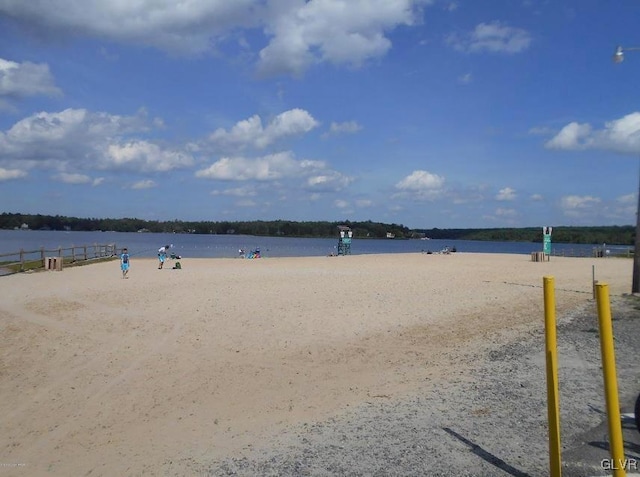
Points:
(425, 113)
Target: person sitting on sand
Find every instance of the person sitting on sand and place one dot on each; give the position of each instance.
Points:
(124, 262)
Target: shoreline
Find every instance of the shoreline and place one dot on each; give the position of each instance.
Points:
(204, 246)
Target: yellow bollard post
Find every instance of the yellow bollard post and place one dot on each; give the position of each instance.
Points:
(616, 443)
(551, 352)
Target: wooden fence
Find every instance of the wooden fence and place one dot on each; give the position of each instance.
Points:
(53, 259)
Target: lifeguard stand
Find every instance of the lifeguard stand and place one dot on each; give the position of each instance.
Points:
(344, 241)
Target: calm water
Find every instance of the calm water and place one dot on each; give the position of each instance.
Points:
(216, 246)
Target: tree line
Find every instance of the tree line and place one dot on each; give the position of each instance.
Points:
(613, 234)
(367, 229)
(623, 235)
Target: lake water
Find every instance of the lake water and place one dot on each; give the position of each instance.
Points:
(217, 246)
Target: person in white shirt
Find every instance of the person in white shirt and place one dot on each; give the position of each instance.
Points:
(162, 255)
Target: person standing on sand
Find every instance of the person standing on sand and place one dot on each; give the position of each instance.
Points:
(162, 255)
(124, 262)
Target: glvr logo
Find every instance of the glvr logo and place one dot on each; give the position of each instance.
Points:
(619, 464)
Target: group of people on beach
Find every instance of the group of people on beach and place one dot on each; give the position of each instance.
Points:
(252, 254)
(163, 253)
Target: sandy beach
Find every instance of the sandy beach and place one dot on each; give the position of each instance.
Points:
(180, 372)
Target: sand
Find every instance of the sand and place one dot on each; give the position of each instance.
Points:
(177, 372)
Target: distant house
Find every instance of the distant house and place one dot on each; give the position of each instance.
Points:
(24, 227)
(390, 235)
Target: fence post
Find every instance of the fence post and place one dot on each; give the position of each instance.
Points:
(44, 265)
(73, 253)
(22, 260)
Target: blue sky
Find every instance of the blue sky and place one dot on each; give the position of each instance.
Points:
(427, 113)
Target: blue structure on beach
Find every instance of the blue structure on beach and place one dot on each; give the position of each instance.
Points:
(344, 241)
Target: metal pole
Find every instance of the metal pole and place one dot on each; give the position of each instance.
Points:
(635, 285)
(616, 443)
(553, 401)
(618, 57)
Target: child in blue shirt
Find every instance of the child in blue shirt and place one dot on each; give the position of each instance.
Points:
(124, 263)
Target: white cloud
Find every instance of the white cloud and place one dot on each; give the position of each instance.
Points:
(626, 206)
(250, 132)
(328, 181)
(265, 168)
(299, 33)
(72, 178)
(339, 31)
(493, 37)
(421, 185)
(348, 127)
(8, 174)
(176, 27)
(629, 199)
(420, 181)
(78, 138)
(236, 192)
(506, 194)
(577, 206)
(273, 167)
(536, 197)
(364, 203)
(572, 136)
(620, 135)
(26, 79)
(65, 134)
(144, 184)
(340, 203)
(144, 156)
